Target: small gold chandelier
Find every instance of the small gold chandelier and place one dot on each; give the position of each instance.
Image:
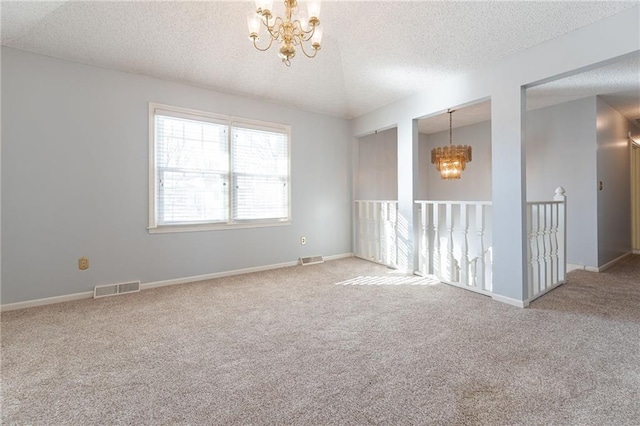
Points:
(451, 160)
(287, 31)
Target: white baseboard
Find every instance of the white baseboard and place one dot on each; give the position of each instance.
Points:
(634, 251)
(613, 262)
(46, 301)
(509, 301)
(145, 286)
(545, 291)
(575, 267)
(184, 280)
(339, 256)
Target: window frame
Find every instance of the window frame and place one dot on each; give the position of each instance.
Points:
(192, 114)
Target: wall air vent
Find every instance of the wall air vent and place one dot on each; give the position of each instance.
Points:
(115, 289)
(311, 260)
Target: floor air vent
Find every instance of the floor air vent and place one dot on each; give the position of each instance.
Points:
(311, 260)
(115, 289)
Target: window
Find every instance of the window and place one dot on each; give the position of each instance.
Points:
(213, 172)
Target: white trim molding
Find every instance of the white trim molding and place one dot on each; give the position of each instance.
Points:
(195, 278)
(509, 301)
(574, 267)
(545, 291)
(46, 301)
(149, 285)
(613, 262)
(339, 256)
(227, 125)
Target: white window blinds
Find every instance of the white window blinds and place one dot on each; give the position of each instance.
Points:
(210, 172)
(260, 169)
(192, 169)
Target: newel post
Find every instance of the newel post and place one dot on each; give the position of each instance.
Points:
(562, 231)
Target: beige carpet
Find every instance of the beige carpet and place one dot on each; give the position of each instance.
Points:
(315, 345)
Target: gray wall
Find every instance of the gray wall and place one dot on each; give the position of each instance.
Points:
(377, 174)
(561, 151)
(614, 170)
(475, 184)
(75, 182)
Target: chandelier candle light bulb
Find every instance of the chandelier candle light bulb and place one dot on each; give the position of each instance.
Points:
(451, 160)
(290, 31)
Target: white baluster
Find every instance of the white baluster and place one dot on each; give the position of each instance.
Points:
(386, 225)
(464, 253)
(430, 252)
(437, 249)
(394, 246)
(535, 250)
(379, 230)
(540, 241)
(480, 264)
(361, 229)
(548, 249)
(356, 236)
(424, 249)
(371, 230)
(366, 234)
(451, 261)
(540, 238)
(419, 241)
(554, 244)
(530, 254)
(562, 233)
(368, 230)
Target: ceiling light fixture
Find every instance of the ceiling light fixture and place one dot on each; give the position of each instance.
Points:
(451, 160)
(289, 31)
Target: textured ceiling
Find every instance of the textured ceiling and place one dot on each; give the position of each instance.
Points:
(617, 83)
(373, 53)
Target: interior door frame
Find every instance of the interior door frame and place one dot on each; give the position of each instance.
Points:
(635, 195)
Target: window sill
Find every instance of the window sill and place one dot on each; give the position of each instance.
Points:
(167, 229)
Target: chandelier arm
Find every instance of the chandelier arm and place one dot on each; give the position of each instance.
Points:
(275, 30)
(287, 31)
(274, 20)
(305, 52)
(304, 35)
(266, 48)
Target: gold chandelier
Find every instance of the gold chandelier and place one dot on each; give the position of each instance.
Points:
(288, 31)
(451, 160)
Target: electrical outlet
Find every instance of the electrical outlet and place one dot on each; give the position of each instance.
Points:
(303, 240)
(83, 263)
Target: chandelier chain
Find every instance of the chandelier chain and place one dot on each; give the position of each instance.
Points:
(450, 127)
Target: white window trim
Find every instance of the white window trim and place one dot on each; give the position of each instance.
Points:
(154, 228)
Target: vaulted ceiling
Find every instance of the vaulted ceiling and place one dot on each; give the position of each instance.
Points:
(373, 52)
(617, 83)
